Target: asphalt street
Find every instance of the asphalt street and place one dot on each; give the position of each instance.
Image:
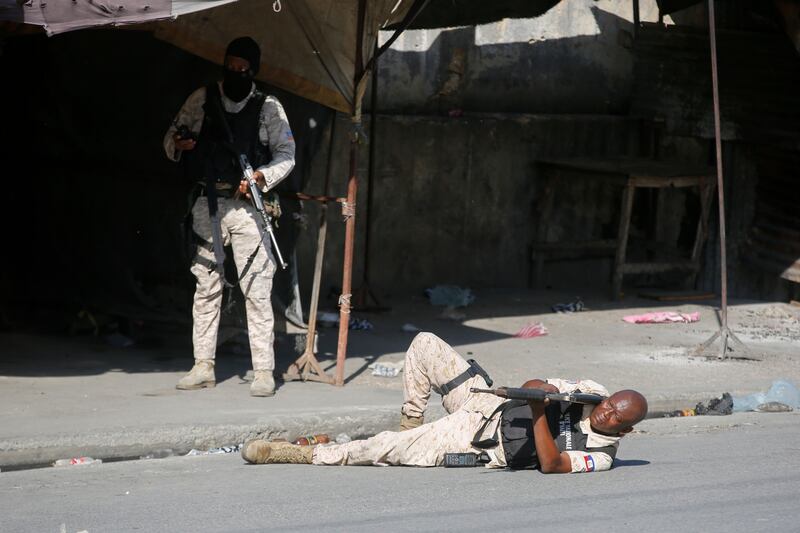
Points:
(732, 473)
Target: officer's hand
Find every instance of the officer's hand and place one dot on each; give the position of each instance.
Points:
(541, 385)
(259, 177)
(184, 144)
(244, 188)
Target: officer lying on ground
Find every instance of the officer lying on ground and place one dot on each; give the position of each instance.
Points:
(555, 437)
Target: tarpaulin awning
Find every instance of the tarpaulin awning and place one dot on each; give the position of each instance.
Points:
(62, 16)
(308, 46)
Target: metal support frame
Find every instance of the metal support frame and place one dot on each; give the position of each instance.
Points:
(724, 334)
(307, 368)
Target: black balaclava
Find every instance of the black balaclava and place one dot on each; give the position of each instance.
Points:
(237, 85)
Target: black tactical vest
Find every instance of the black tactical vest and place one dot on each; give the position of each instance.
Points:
(563, 419)
(218, 146)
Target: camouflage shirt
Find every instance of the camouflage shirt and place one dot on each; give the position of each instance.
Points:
(273, 131)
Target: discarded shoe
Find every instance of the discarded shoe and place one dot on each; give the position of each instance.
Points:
(199, 377)
(410, 422)
(263, 384)
(261, 452)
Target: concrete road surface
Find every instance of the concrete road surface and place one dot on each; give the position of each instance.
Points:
(733, 473)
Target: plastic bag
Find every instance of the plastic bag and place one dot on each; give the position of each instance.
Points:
(781, 391)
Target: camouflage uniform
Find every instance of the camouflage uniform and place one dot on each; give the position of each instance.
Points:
(240, 229)
(430, 363)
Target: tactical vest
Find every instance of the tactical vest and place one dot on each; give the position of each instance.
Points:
(217, 153)
(563, 419)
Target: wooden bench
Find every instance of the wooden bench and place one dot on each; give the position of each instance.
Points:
(628, 174)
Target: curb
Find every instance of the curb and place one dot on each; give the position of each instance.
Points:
(119, 444)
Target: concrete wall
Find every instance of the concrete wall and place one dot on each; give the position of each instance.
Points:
(454, 200)
(576, 58)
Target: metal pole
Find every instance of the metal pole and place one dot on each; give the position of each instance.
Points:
(347, 275)
(724, 333)
(723, 256)
(349, 208)
(373, 119)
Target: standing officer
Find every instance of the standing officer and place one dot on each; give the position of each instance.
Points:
(216, 124)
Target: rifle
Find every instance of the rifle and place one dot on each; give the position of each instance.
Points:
(255, 195)
(539, 395)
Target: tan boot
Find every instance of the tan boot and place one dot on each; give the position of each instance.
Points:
(263, 384)
(410, 422)
(199, 377)
(261, 452)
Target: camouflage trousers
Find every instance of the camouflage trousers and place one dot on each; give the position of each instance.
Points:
(430, 363)
(240, 230)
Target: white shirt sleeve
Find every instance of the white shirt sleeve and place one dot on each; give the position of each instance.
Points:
(589, 461)
(275, 132)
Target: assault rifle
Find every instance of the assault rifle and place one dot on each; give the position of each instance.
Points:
(255, 195)
(539, 395)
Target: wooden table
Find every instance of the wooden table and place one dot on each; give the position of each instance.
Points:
(629, 174)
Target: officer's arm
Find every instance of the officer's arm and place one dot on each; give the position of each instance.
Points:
(190, 115)
(275, 132)
(551, 460)
(539, 384)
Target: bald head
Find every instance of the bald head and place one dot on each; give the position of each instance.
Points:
(619, 412)
(633, 404)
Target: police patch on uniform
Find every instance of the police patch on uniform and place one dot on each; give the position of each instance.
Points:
(589, 461)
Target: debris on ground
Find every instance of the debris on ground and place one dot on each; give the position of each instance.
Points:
(215, 451)
(451, 313)
(387, 370)
(327, 319)
(450, 296)
(410, 328)
(532, 330)
(781, 392)
(343, 438)
(311, 440)
(359, 323)
(772, 323)
(575, 306)
(74, 461)
(714, 407)
(662, 317)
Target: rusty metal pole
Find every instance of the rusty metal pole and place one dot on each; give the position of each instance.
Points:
(349, 208)
(724, 333)
(347, 275)
(723, 252)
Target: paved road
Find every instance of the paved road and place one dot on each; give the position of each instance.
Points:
(735, 473)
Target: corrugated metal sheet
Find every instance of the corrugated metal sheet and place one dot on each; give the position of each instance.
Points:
(759, 83)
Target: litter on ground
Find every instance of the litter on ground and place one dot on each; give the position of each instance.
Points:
(662, 317)
(532, 330)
